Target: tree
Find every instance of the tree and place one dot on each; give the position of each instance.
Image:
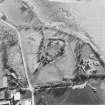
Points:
(24, 61)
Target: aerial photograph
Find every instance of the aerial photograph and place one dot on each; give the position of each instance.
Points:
(52, 52)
